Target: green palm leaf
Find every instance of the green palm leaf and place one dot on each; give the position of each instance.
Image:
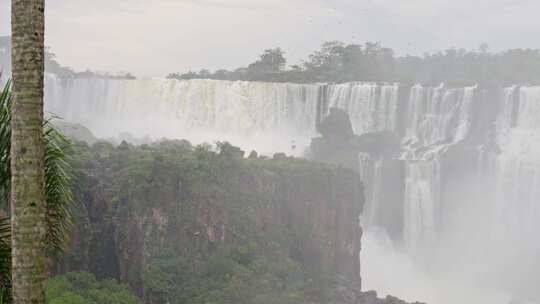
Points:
(5, 259)
(5, 236)
(58, 194)
(5, 144)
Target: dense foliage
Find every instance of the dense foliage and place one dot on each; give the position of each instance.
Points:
(198, 224)
(84, 288)
(340, 62)
(58, 191)
(233, 275)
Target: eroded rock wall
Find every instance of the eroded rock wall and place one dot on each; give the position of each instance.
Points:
(139, 201)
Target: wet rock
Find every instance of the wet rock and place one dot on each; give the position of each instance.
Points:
(339, 145)
(75, 132)
(253, 155)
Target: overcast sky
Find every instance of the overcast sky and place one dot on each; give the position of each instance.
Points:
(155, 37)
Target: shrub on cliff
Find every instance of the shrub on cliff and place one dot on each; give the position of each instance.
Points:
(233, 275)
(84, 288)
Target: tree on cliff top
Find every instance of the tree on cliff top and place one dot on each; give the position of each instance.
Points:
(271, 61)
(339, 62)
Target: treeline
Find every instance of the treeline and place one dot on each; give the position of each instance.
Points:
(338, 62)
(52, 65)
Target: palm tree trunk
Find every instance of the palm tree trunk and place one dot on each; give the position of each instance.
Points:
(28, 209)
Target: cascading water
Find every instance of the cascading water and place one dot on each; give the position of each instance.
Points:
(470, 215)
(197, 110)
(437, 117)
(454, 220)
(371, 107)
(515, 220)
(421, 196)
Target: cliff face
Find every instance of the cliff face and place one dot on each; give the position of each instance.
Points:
(373, 154)
(138, 202)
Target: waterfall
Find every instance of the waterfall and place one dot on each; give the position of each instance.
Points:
(371, 107)
(461, 204)
(371, 174)
(421, 198)
(515, 220)
(517, 169)
(436, 118)
(198, 110)
(470, 212)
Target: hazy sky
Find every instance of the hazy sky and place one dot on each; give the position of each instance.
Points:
(155, 37)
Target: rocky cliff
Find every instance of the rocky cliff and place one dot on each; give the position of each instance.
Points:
(138, 202)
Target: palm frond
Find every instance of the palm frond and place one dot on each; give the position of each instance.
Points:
(5, 175)
(5, 230)
(58, 194)
(5, 144)
(58, 175)
(5, 259)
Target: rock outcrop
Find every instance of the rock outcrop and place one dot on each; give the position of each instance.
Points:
(347, 292)
(339, 145)
(75, 132)
(138, 201)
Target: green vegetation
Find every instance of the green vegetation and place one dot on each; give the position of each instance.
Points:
(184, 224)
(180, 178)
(339, 62)
(233, 275)
(5, 260)
(83, 288)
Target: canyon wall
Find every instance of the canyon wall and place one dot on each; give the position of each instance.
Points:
(138, 202)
